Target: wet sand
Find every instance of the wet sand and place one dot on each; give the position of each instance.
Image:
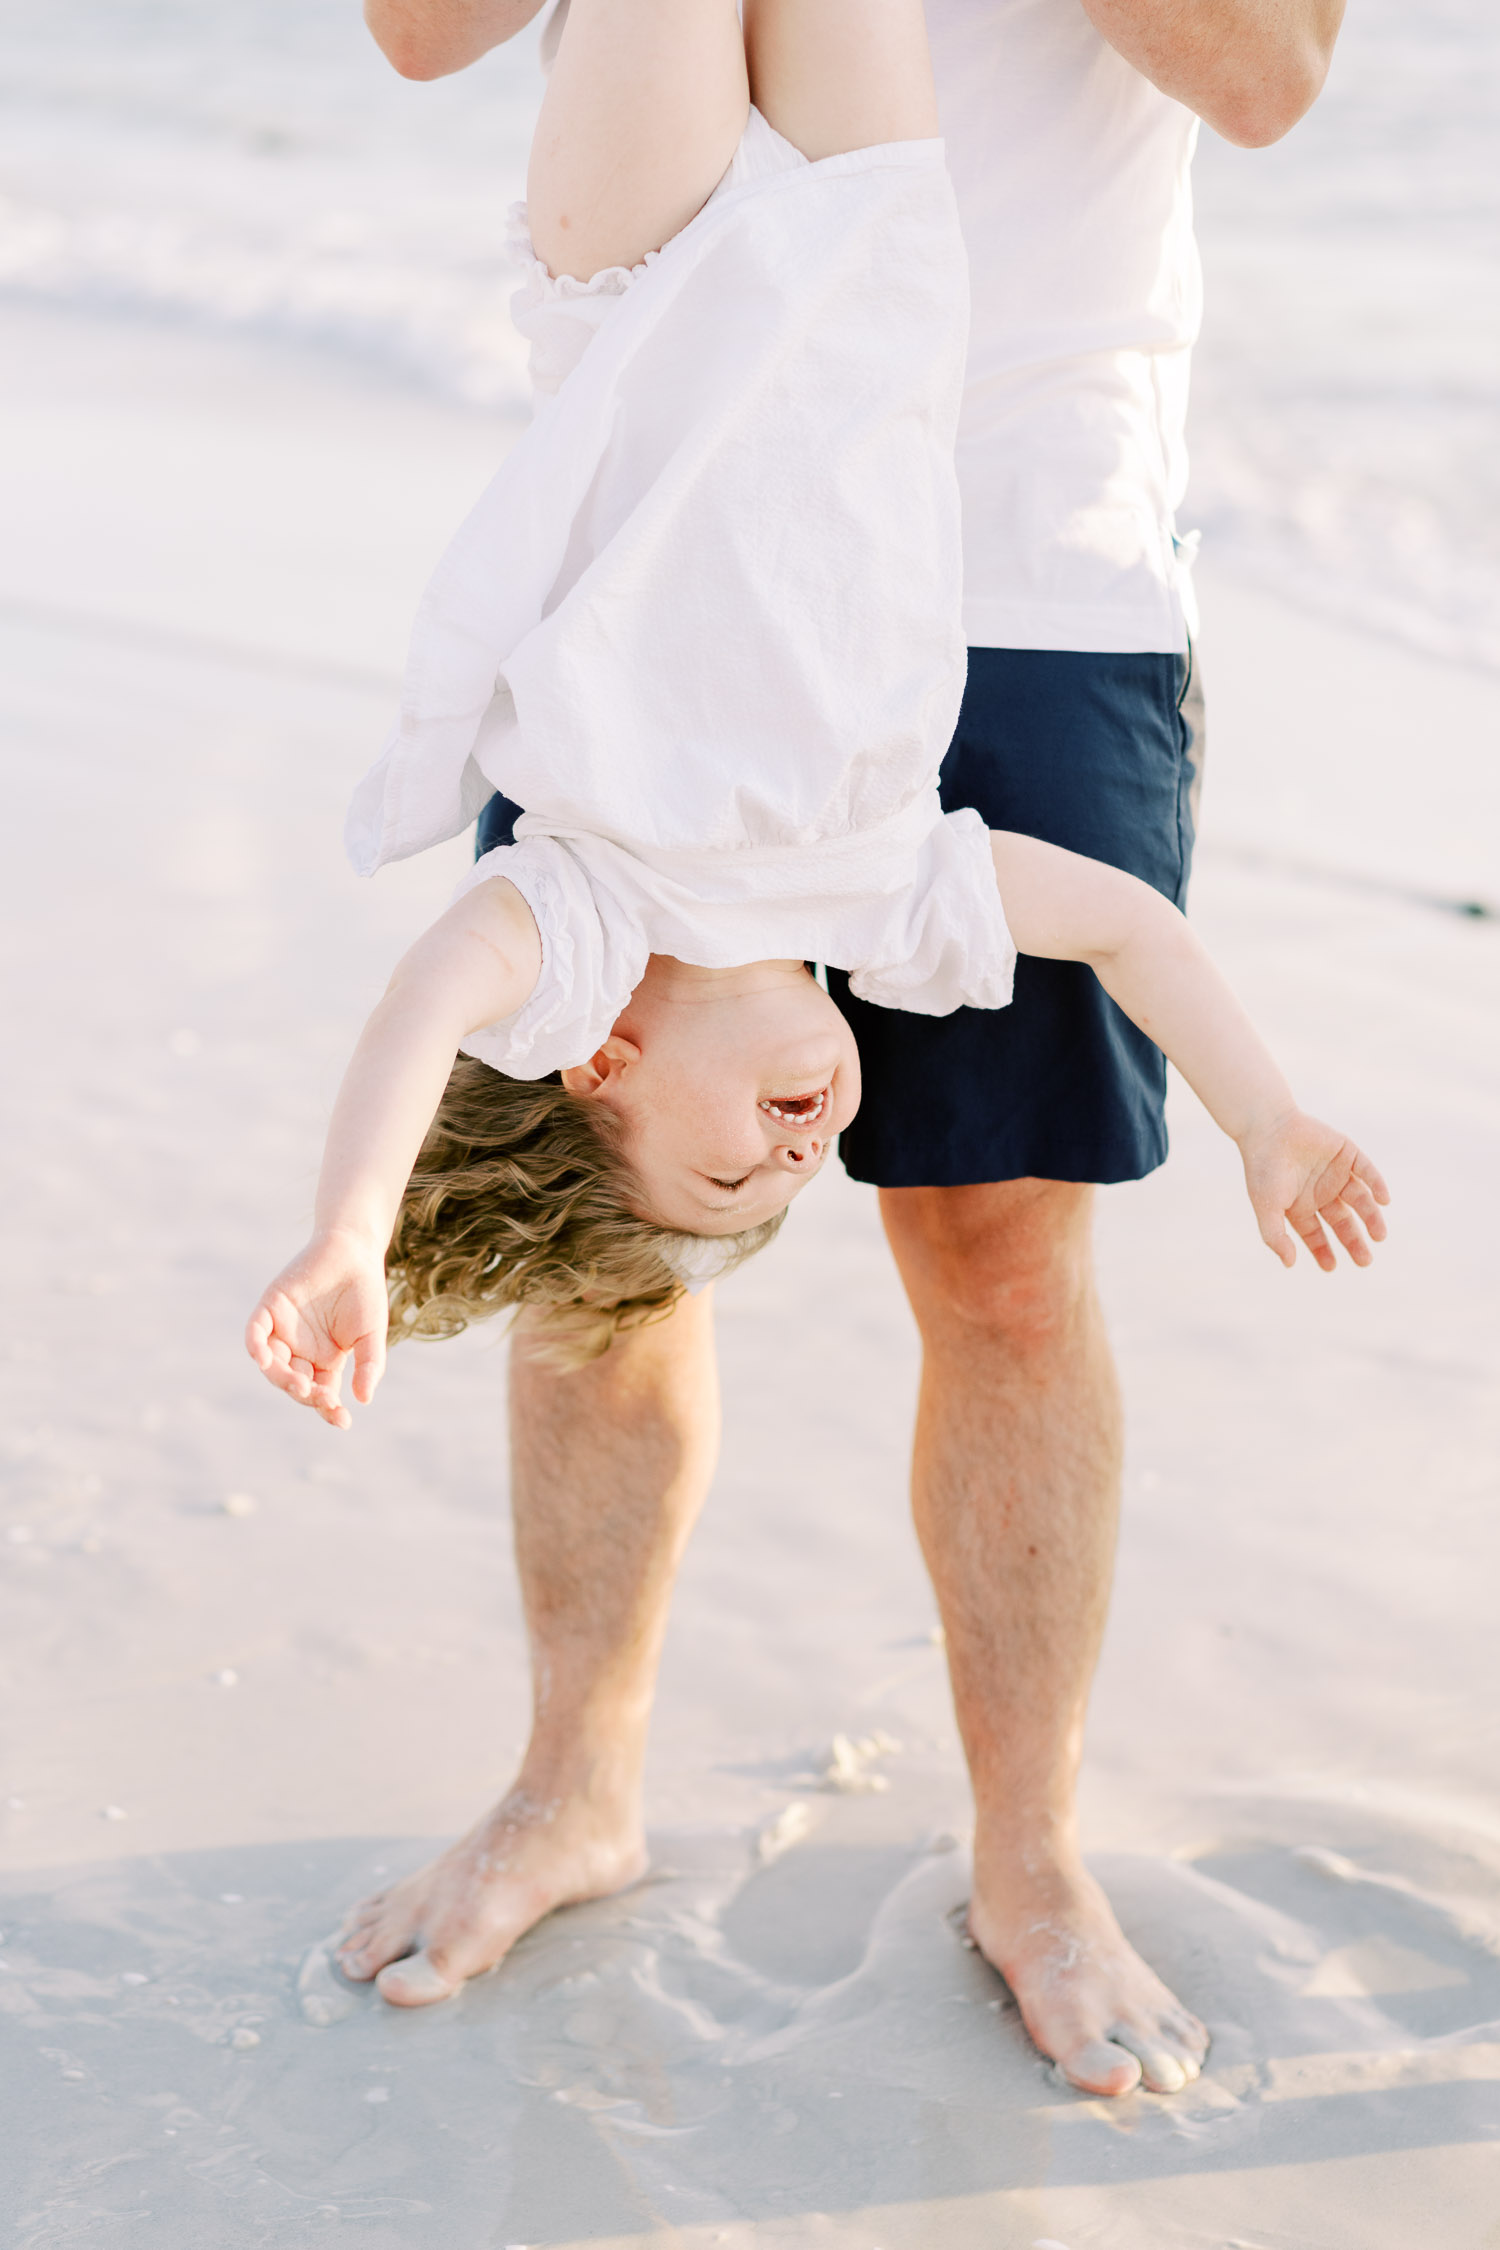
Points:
(223, 1721)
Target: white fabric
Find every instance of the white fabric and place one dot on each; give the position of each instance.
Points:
(704, 625)
(1072, 178)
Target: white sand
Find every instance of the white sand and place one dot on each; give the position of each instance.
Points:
(210, 559)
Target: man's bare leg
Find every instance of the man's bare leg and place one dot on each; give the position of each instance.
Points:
(610, 1468)
(1016, 1497)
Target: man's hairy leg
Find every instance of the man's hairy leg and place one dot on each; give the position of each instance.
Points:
(1016, 1497)
(610, 1465)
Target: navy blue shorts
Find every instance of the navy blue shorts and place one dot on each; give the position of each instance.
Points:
(497, 825)
(1100, 754)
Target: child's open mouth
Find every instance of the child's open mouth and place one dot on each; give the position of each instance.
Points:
(801, 1111)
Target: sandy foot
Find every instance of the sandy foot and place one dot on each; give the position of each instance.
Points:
(1087, 1998)
(462, 1913)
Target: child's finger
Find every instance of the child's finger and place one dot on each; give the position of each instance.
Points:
(1275, 1237)
(1361, 1200)
(327, 1381)
(258, 1336)
(1317, 1242)
(369, 1366)
(283, 1365)
(1348, 1230)
(292, 1386)
(277, 1365)
(1371, 1177)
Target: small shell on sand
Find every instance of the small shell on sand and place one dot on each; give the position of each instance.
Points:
(778, 1836)
(133, 1976)
(113, 1812)
(244, 2038)
(226, 1678)
(846, 1768)
(240, 1503)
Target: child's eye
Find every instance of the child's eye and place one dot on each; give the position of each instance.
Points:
(728, 1185)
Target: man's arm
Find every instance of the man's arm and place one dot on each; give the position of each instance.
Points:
(1250, 68)
(431, 38)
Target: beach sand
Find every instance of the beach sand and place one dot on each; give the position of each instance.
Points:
(251, 1665)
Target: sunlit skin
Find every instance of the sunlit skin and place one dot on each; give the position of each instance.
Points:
(732, 1084)
(1017, 1458)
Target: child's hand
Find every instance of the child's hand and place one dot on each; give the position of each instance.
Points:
(1300, 1170)
(329, 1304)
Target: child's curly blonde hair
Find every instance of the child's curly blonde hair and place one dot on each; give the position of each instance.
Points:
(522, 1196)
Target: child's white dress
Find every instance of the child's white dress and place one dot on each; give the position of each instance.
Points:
(704, 624)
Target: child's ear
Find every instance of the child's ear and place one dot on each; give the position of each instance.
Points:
(609, 1061)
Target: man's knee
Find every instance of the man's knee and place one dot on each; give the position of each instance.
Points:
(1014, 1258)
(653, 1369)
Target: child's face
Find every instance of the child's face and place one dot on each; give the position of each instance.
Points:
(732, 1085)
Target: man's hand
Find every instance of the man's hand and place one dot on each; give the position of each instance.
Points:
(328, 1306)
(1250, 68)
(1300, 1170)
(431, 38)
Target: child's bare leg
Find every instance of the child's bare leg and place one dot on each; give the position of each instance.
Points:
(610, 1467)
(643, 111)
(833, 75)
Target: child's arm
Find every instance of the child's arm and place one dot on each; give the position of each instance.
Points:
(474, 966)
(1066, 908)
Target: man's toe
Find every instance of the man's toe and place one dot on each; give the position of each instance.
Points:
(415, 1982)
(359, 1960)
(368, 1951)
(1101, 2066)
(1186, 2038)
(1165, 2067)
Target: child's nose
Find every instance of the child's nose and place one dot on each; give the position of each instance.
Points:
(800, 1156)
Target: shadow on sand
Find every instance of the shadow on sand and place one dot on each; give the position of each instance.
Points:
(732, 2050)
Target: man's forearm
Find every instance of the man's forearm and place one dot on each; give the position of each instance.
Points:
(431, 38)
(1250, 68)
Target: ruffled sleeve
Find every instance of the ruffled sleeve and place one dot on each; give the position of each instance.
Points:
(558, 316)
(947, 944)
(593, 957)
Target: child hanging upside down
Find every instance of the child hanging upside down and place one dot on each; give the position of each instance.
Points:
(704, 627)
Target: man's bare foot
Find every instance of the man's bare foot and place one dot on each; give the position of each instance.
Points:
(462, 1913)
(1087, 1998)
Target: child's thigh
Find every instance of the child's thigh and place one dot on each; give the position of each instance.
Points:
(833, 75)
(644, 108)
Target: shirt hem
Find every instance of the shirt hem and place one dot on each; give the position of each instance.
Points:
(1101, 630)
